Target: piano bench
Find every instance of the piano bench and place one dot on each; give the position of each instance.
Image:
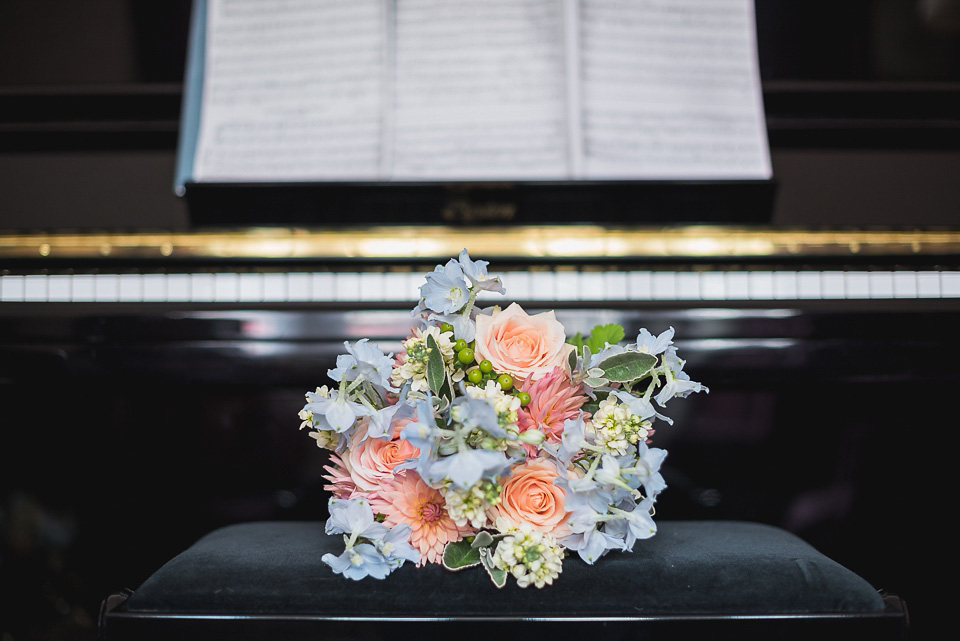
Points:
(709, 579)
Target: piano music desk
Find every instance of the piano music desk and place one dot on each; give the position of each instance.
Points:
(694, 579)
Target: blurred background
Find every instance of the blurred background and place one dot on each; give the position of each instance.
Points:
(112, 460)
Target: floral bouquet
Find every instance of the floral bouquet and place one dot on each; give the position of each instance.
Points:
(494, 439)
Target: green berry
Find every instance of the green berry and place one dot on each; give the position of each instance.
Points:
(460, 345)
(486, 366)
(465, 356)
(475, 376)
(524, 398)
(446, 327)
(506, 382)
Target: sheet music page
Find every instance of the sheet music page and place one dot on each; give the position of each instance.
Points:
(671, 90)
(480, 90)
(292, 90)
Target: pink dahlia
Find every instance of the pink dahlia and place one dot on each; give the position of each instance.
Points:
(341, 483)
(407, 499)
(553, 400)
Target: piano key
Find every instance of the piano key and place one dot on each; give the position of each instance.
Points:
(785, 285)
(737, 285)
(35, 288)
(274, 286)
(904, 284)
(928, 284)
(664, 286)
(178, 288)
(856, 284)
(60, 288)
(640, 285)
(713, 286)
(808, 285)
(106, 288)
(761, 285)
(82, 288)
(591, 287)
(950, 284)
(202, 287)
(298, 287)
(226, 287)
(615, 285)
(881, 284)
(832, 284)
(540, 285)
(688, 285)
(543, 286)
(322, 286)
(155, 288)
(130, 288)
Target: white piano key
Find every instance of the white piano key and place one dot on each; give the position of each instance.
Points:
(664, 286)
(881, 285)
(592, 286)
(106, 288)
(321, 286)
(250, 287)
(517, 285)
(615, 285)
(202, 286)
(761, 285)
(832, 284)
(567, 285)
(713, 286)
(59, 288)
(346, 286)
(154, 288)
(274, 286)
(35, 288)
(856, 284)
(950, 284)
(737, 285)
(905, 284)
(640, 285)
(808, 285)
(82, 288)
(397, 287)
(298, 287)
(371, 286)
(130, 288)
(226, 287)
(178, 287)
(688, 285)
(928, 284)
(543, 286)
(785, 285)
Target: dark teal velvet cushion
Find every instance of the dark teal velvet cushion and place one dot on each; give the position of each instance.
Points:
(703, 568)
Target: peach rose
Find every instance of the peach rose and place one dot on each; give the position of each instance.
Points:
(372, 461)
(521, 345)
(531, 496)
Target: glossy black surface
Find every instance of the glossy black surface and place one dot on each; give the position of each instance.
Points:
(130, 431)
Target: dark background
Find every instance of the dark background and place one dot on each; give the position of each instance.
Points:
(106, 473)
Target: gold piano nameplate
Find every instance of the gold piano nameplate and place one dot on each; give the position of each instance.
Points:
(558, 242)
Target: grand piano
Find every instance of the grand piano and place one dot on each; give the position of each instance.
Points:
(151, 367)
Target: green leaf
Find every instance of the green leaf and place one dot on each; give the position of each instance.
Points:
(627, 366)
(460, 555)
(498, 576)
(482, 539)
(577, 341)
(572, 360)
(436, 372)
(603, 334)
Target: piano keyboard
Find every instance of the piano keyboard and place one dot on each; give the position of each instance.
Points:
(533, 285)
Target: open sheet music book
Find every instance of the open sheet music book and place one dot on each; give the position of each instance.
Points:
(473, 90)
